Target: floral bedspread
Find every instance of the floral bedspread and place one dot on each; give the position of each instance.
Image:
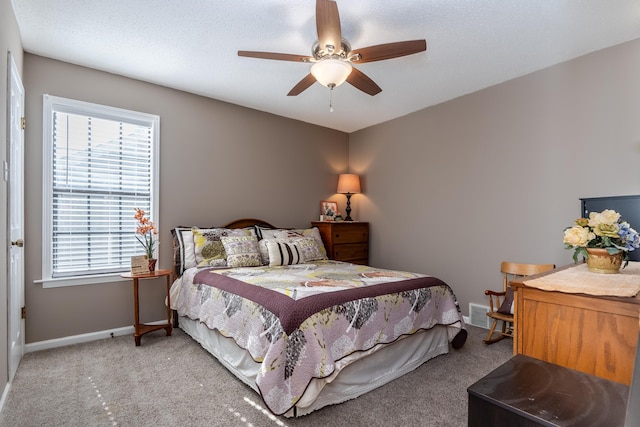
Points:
(299, 320)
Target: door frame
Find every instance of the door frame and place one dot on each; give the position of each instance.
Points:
(15, 216)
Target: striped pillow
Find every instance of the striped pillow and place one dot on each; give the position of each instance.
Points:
(283, 253)
(184, 253)
(264, 250)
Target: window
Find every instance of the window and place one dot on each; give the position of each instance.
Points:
(99, 164)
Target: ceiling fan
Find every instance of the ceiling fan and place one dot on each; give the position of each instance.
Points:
(333, 58)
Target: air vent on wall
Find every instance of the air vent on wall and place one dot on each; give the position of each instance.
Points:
(478, 315)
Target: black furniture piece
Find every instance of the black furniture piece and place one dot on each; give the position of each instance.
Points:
(627, 206)
(526, 392)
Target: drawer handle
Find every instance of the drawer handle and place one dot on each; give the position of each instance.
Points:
(337, 235)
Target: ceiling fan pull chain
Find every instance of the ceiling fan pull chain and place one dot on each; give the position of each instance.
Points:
(331, 98)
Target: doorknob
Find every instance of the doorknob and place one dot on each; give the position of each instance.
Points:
(19, 243)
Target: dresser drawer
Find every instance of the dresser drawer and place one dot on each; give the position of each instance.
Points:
(355, 233)
(351, 251)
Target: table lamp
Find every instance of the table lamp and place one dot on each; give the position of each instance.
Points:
(348, 184)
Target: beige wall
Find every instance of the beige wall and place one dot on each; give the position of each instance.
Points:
(496, 175)
(218, 162)
(9, 42)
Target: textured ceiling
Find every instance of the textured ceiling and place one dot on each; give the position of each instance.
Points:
(192, 46)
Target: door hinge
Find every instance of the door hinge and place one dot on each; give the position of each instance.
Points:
(23, 123)
(23, 313)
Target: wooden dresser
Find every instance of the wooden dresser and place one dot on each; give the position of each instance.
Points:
(592, 334)
(345, 240)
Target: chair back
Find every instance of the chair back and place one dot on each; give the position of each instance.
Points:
(513, 270)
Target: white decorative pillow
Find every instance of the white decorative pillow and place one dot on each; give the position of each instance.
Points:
(283, 253)
(209, 250)
(242, 251)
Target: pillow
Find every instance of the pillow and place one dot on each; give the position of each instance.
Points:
(184, 255)
(284, 253)
(310, 248)
(287, 234)
(242, 251)
(315, 233)
(209, 250)
(307, 232)
(280, 233)
(264, 250)
(264, 233)
(507, 305)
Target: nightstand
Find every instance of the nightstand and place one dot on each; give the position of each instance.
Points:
(345, 240)
(142, 328)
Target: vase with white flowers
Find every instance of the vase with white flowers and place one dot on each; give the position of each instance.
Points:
(603, 239)
(145, 232)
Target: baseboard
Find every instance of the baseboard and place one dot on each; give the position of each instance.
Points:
(466, 320)
(77, 339)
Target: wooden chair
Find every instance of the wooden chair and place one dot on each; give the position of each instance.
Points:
(501, 303)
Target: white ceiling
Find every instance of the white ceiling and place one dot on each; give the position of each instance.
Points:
(192, 46)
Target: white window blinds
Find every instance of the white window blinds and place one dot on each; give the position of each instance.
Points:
(102, 166)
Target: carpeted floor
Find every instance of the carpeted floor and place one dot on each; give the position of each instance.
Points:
(173, 381)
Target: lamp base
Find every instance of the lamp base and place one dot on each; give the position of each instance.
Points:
(348, 218)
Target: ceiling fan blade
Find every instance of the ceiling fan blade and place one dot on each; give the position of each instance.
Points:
(328, 25)
(388, 51)
(302, 85)
(359, 80)
(276, 56)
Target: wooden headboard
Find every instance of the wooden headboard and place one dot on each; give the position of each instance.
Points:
(248, 222)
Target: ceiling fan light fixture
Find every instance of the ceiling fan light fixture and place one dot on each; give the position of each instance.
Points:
(331, 72)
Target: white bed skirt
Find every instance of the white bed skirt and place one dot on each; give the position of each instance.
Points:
(355, 375)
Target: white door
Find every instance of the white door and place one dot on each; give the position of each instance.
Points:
(15, 176)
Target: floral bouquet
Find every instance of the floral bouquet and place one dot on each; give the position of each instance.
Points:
(601, 230)
(145, 231)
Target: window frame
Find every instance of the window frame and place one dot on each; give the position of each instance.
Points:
(55, 103)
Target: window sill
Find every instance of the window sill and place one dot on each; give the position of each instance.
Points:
(80, 280)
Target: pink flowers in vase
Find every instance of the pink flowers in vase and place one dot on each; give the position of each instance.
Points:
(145, 232)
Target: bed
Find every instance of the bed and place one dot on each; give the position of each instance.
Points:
(301, 330)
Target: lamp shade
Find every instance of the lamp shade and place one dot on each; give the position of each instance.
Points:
(331, 72)
(348, 183)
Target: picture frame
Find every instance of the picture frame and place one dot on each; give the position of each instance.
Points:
(139, 265)
(328, 210)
